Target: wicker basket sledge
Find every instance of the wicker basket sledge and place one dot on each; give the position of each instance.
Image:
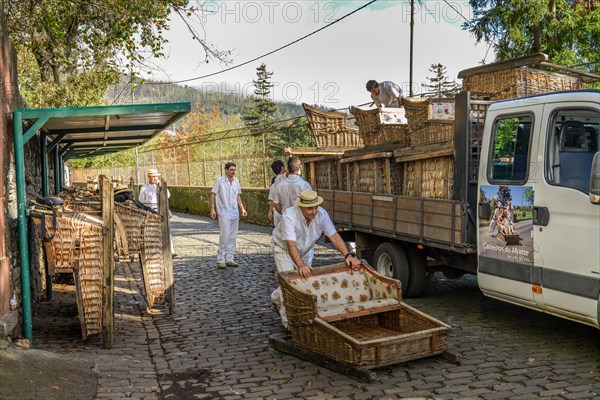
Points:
(76, 246)
(373, 131)
(518, 82)
(372, 335)
(430, 120)
(330, 129)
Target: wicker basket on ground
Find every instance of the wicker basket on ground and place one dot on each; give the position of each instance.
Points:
(357, 318)
(518, 82)
(330, 128)
(76, 246)
(378, 126)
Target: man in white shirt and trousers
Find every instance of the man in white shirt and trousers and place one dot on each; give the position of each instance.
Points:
(287, 191)
(225, 201)
(294, 238)
(149, 195)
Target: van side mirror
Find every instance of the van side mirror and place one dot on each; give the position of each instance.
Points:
(595, 180)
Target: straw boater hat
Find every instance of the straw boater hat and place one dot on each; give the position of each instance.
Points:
(309, 198)
(153, 172)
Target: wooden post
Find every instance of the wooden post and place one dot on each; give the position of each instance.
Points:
(313, 175)
(163, 204)
(108, 291)
(188, 167)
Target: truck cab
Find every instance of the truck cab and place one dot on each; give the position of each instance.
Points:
(539, 212)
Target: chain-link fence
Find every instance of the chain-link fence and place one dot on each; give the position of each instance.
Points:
(197, 164)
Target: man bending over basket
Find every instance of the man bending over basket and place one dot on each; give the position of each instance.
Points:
(294, 238)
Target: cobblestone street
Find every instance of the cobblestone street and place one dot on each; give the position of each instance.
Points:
(215, 345)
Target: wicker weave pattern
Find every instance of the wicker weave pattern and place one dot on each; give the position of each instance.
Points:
(430, 178)
(373, 132)
(87, 231)
(431, 133)
(152, 261)
(330, 129)
(132, 220)
(518, 82)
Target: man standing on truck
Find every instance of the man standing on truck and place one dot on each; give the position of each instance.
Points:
(288, 190)
(385, 94)
(294, 239)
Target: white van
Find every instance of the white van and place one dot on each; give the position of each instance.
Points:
(541, 154)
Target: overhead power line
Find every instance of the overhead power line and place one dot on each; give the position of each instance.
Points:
(272, 51)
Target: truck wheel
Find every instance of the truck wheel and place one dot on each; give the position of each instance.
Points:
(417, 263)
(390, 260)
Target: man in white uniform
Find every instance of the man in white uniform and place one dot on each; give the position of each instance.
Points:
(149, 196)
(385, 94)
(288, 190)
(280, 174)
(148, 192)
(294, 238)
(225, 201)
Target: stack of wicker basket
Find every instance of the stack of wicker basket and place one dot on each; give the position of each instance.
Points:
(379, 126)
(430, 120)
(330, 129)
(524, 81)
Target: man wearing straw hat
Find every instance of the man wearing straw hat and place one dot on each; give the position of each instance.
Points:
(294, 238)
(149, 196)
(148, 192)
(225, 201)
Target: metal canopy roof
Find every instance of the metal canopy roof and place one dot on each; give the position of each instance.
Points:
(91, 131)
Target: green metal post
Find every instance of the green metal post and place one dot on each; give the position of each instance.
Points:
(56, 172)
(22, 227)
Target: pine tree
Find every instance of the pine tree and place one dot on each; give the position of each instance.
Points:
(259, 114)
(440, 85)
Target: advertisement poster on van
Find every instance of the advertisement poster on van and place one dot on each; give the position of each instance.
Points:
(508, 233)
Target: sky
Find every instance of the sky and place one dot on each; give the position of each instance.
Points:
(331, 67)
(516, 192)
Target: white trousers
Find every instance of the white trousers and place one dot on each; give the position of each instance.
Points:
(276, 218)
(283, 262)
(228, 229)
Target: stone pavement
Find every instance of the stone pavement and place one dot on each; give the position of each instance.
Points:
(215, 345)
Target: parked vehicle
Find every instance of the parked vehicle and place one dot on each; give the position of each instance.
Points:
(541, 153)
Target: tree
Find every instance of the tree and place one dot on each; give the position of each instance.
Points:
(440, 85)
(63, 43)
(568, 31)
(528, 195)
(259, 114)
(504, 195)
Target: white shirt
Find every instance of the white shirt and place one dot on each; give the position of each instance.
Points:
(226, 197)
(288, 191)
(278, 179)
(149, 196)
(388, 95)
(293, 226)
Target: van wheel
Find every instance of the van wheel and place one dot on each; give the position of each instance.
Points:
(417, 267)
(390, 260)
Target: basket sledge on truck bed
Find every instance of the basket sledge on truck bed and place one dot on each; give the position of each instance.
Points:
(353, 321)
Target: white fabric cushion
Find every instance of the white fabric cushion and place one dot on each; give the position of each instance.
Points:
(355, 307)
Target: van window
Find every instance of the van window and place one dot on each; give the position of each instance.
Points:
(572, 143)
(510, 149)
